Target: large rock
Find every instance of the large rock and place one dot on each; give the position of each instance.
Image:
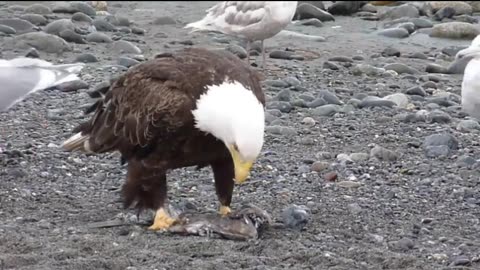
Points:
(40, 41)
(21, 26)
(38, 9)
(405, 10)
(455, 30)
(56, 27)
(459, 6)
(307, 11)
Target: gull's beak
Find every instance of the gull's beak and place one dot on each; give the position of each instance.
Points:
(242, 167)
(468, 52)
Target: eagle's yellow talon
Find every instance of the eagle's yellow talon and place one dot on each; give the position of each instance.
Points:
(225, 210)
(162, 221)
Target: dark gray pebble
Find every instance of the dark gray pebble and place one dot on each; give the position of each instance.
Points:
(86, 58)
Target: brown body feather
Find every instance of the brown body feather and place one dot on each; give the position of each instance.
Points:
(146, 115)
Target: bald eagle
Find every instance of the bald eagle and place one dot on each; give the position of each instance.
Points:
(194, 107)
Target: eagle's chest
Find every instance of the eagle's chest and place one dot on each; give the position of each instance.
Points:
(197, 150)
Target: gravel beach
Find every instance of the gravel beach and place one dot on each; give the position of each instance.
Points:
(364, 132)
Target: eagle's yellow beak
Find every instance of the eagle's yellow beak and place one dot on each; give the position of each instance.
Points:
(242, 167)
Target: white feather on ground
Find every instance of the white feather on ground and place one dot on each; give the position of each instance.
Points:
(250, 20)
(471, 79)
(23, 76)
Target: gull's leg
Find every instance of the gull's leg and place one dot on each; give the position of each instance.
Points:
(263, 56)
(248, 52)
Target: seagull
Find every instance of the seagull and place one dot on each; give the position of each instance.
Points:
(471, 79)
(250, 20)
(20, 77)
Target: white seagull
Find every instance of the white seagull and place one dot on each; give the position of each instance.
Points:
(251, 20)
(471, 79)
(23, 76)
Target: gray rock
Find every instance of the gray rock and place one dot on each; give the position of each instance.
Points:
(296, 217)
(390, 51)
(367, 69)
(281, 130)
(343, 59)
(7, 30)
(316, 103)
(466, 18)
(394, 33)
(421, 23)
(416, 90)
(72, 86)
(83, 7)
(435, 68)
(405, 10)
(326, 110)
(308, 11)
(404, 244)
(127, 62)
(35, 19)
(370, 103)
(409, 26)
(283, 95)
(86, 58)
(439, 116)
(459, 6)
(276, 83)
(55, 27)
(103, 26)
(282, 106)
(401, 100)
(40, 41)
(138, 31)
(38, 9)
(312, 22)
(329, 97)
(237, 50)
(292, 81)
(122, 46)
(359, 157)
(98, 37)
(452, 50)
(345, 7)
(292, 34)
(401, 68)
(383, 154)
(468, 125)
(444, 13)
(461, 260)
(20, 26)
(455, 30)
(429, 85)
(330, 65)
(164, 20)
(437, 145)
(71, 36)
(32, 53)
(82, 17)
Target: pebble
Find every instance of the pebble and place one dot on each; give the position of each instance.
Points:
(38, 9)
(35, 19)
(367, 69)
(277, 83)
(458, 65)
(436, 68)
(308, 11)
(416, 90)
(429, 85)
(40, 41)
(390, 51)
(164, 20)
(98, 37)
(401, 68)
(460, 261)
(20, 26)
(349, 184)
(466, 161)
(329, 97)
(455, 30)
(284, 95)
(437, 145)
(444, 13)
(421, 23)
(86, 58)
(32, 53)
(439, 116)
(466, 18)
(359, 157)
(401, 11)
(384, 154)
(296, 217)
(312, 22)
(138, 30)
(292, 34)
(309, 121)
(70, 36)
(127, 62)
(404, 244)
(369, 103)
(285, 55)
(354, 208)
(345, 7)
(292, 81)
(103, 26)
(343, 59)
(122, 46)
(282, 106)
(330, 176)
(82, 17)
(7, 30)
(330, 65)
(394, 33)
(468, 125)
(326, 110)
(82, 7)
(319, 166)
(58, 26)
(237, 50)
(281, 130)
(401, 100)
(72, 86)
(459, 6)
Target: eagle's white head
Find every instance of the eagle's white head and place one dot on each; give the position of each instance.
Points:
(234, 115)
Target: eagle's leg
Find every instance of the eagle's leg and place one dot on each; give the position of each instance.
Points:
(224, 172)
(162, 218)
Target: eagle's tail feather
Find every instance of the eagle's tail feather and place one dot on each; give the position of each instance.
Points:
(77, 142)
